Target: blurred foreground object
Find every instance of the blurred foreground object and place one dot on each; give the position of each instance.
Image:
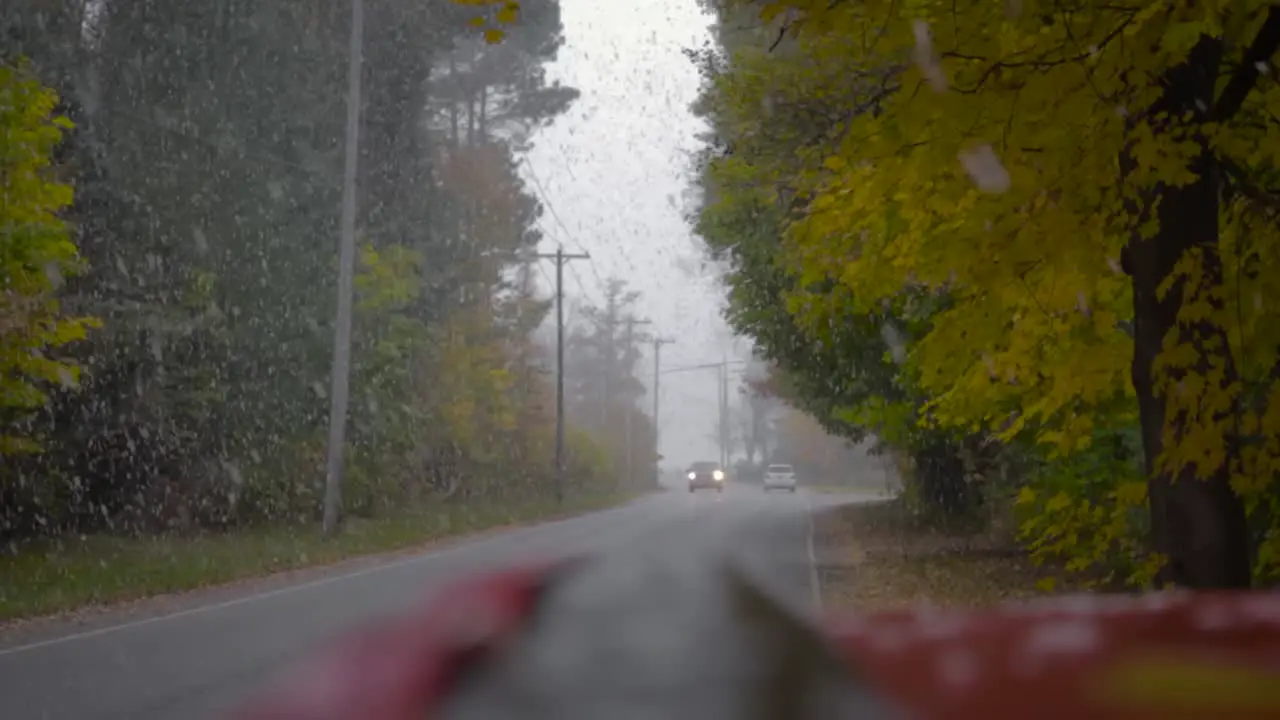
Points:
(675, 638)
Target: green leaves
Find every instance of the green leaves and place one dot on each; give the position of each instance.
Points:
(991, 213)
(36, 254)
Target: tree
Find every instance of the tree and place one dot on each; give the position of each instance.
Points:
(602, 388)
(36, 254)
(833, 357)
(501, 89)
(207, 175)
(1104, 183)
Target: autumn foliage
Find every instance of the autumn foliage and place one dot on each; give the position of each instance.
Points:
(1045, 226)
(168, 264)
(36, 255)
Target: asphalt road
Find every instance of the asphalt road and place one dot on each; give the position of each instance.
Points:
(198, 659)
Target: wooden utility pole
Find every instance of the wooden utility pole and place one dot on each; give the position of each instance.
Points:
(561, 257)
(722, 384)
(658, 342)
(726, 435)
(724, 413)
(631, 329)
(340, 373)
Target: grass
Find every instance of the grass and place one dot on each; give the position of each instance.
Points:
(64, 575)
(877, 557)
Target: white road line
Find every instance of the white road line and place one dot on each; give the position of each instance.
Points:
(226, 604)
(463, 544)
(814, 582)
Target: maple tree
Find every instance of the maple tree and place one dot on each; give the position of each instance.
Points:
(1071, 207)
(36, 255)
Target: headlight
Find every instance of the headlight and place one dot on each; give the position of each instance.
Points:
(693, 476)
(717, 475)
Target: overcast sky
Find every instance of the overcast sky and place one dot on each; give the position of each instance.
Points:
(615, 171)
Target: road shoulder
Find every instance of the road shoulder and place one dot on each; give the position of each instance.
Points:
(874, 556)
(92, 617)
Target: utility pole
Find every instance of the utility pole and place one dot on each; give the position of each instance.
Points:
(720, 410)
(606, 369)
(724, 413)
(561, 257)
(722, 383)
(341, 371)
(658, 342)
(631, 329)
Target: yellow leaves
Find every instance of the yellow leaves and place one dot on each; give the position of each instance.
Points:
(389, 279)
(1059, 502)
(771, 11)
(1131, 494)
(1180, 37)
(1081, 513)
(496, 12)
(472, 383)
(1034, 336)
(36, 252)
(13, 445)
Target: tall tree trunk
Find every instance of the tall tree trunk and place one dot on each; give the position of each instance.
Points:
(453, 105)
(471, 110)
(939, 477)
(1197, 523)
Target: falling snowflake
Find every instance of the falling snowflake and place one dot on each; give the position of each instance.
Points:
(986, 169)
(929, 64)
(54, 274)
(897, 348)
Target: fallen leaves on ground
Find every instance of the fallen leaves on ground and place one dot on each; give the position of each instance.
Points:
(877, 556)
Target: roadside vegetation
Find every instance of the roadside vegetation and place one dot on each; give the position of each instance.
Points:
(881, 556)
(168, 259)
(1029, 253)
(69, 573)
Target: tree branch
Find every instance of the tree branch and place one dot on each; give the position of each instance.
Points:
(1246, 76)
(1032, 64)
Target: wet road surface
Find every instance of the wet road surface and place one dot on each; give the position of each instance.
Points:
(199, 660)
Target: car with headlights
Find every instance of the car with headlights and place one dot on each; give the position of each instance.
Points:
(705, 476)
(780, 476)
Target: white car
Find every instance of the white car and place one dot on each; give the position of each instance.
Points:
(780, 477)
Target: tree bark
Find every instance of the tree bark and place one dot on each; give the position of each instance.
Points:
(1197, 523)
(939, 477)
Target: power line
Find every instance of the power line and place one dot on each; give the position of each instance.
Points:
(577, 279)
(542, 192)
(704, 366)
(556, 216)
(561, 258)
